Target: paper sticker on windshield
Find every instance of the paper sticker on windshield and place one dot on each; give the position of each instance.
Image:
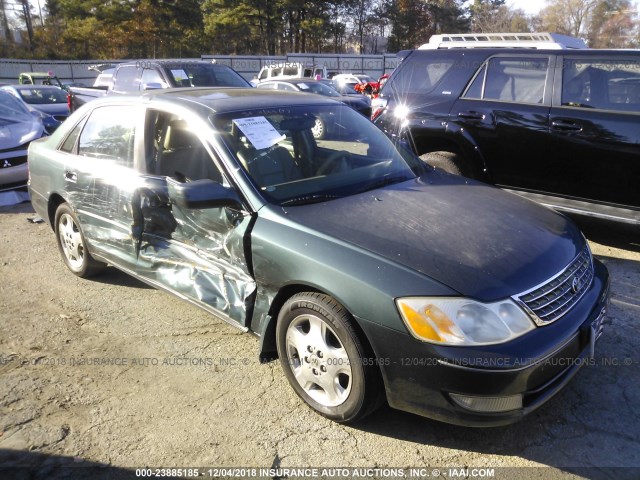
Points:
(303, 86)
(179, 75)
(260, 133)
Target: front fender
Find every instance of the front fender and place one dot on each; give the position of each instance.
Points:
(289, 258)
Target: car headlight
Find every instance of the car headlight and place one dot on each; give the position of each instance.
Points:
(463, 322)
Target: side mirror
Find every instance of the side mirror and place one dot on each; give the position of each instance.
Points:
(151, 86)
(203, 193)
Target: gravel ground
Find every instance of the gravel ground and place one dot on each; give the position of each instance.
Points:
(184, 389)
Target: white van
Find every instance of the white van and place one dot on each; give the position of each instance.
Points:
(289, 70)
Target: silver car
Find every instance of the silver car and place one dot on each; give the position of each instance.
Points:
(18, 127)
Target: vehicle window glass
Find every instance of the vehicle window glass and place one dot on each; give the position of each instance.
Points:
(476, 87)
(290, 70)
(126, 79)
(11, 107)
(423, 75)
(520, 80)
(109, 134)
(150, 75)
(44, 95)
(205, 75)
(300, 154)
(285, 86)
(263, 74)
(174, 150)
(70, 142)
(601, 83)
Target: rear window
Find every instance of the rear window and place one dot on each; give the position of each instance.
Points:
(423, 74)
(601, 83)
(42, 96)
(205, 75)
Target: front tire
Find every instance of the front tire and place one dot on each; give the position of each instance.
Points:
(72, 245)
(324, 359)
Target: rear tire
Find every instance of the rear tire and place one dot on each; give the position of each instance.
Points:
(448, 162)
(72, 245)
(324, 359)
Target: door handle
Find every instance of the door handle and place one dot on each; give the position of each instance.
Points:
(566, 126)
(471, 115)
(70, 176)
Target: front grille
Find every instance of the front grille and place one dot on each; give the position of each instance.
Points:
(549, 302)
(12, 162)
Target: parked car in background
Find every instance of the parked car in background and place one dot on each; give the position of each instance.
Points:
(305, 85)
(145, 75)
(341, 88)
(281, 71)
(369, 273)
(39, 78)
(360, 82)
(50, 103)
(381, 82)
(559, 126)
(18, 128)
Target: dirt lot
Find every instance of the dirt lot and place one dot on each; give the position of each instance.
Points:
(184, 389)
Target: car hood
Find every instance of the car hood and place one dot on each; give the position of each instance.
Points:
(16, 132)
(476, 239)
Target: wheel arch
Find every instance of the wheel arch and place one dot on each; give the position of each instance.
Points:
(268, 349)
(458, 141)
(55, 200)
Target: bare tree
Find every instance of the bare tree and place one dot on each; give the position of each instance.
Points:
(570, 17)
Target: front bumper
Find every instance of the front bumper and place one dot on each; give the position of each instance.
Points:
(13, 177)
(421, 377)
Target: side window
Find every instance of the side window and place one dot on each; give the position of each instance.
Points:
(69, 143)
(285, 86)
(109, 133)
(174, 150)
(126, 79)
(264, 73)
(601, 83)
(150, 75)
(520, 80)
(477, 86)
(422, 76)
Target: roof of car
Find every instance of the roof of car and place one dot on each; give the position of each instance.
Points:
(167, 62)
(224, 99)
(596, 52)
(292, 80)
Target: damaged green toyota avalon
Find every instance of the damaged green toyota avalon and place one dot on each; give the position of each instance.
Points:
(371, 275)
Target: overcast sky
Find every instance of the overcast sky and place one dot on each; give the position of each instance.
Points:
(534, 6)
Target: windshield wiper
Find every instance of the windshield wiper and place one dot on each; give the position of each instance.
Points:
(383, 182)
(307, 199)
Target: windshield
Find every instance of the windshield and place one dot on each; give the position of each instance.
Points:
(41, 96)
(317, 87)
(10, 107)
(298, 155)
(205, 75)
